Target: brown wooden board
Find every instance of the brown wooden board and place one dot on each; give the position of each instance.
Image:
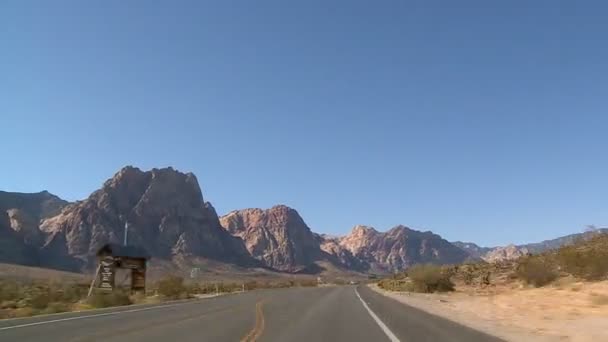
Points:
(138, 279)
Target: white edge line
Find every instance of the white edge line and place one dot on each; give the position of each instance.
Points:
(89, 316)
(383, 326)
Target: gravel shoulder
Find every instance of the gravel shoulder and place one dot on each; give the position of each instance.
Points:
(565, 312)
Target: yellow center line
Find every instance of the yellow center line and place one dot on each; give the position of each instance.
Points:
(258, 329)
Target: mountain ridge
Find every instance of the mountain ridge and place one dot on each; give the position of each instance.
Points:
(167, 215)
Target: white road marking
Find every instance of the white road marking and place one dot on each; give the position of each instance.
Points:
(383, 326)
(89, 316)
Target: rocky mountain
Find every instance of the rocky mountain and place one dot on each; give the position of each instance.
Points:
(165, 213)
(399, 248)
(474, 251)
(20, 217)
(278, 237)
(509, 252)
(281, 240)
(338, 254)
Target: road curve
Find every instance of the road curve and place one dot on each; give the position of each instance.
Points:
(298, 314)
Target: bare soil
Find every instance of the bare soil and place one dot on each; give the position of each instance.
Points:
(568, 310)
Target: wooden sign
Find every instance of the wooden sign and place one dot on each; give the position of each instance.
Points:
(106, 273)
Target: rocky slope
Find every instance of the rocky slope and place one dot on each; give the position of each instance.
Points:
(165, 212)
(338, 254)
(278, 237)
(281, 240)
(473, 250)
(509, 252)
(399, 248)
(20, 216)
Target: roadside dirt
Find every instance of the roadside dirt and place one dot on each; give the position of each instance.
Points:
(566, 311)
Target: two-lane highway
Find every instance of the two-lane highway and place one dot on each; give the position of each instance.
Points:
(297, 314)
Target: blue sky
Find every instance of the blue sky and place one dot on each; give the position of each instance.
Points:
(478, 120)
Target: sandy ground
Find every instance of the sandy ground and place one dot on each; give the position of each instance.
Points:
(567, 311)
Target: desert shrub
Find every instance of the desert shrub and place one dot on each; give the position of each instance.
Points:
(536, 270)
(40, 299)
(72, 293)
(468, 276)
(339, 281)
(279, 284)
(429, 278)
(395, 285)
(252, 285)
(587, 263)
(206, 288)
(229, 287)
(25, 312)
(171, 287)
(9, 290)
(307, 283)
(101, 299)
(56, 307)
(599, 299)
(138, 298)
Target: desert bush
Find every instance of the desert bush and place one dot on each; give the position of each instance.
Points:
(395, 285)
(25, 312)
(72, 293)
(56, 307)
(101, 299)
(137, 298)
(279, 284)
(536, 270)
(252, 285)
(8, 304)
(599, 299)
(171, 287)
(587, 263)
(468, 276)
(307, 283)
(40, 299)
(339, 281)
(9, 290)
(429, 278)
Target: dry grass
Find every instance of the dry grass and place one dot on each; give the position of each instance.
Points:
(598, 299)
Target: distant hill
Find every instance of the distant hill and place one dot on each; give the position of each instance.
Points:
(493, 254)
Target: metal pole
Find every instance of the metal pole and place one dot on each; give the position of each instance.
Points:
(126, 232)
(94, 279)
(217, 290)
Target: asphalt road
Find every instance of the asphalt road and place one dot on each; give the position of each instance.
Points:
(298, 314)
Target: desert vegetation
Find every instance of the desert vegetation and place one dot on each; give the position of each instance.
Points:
(420, 278)
(23, 297)
(586, 260)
